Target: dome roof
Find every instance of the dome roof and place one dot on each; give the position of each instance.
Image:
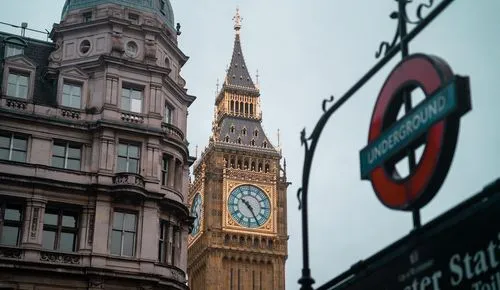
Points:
(162, 8)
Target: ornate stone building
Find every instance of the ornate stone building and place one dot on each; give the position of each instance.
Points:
(94, 164)
(239, 239)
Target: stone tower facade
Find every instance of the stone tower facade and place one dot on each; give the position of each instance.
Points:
(238, 196)
(94, 163)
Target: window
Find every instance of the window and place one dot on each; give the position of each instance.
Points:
(66, 155)
(168, 246)
(162, 6)
(134, 18)
(12, 49)
(164, 242)
(72, 95)
(123, 234)
(87, 16)
(244, 131)
(164, 170)
(17, 85)
(256, 132)
(131, 100)
(13, 147)
(10, 224)
(128, 158)
(168, 114)
(231, 129)
(60, 229)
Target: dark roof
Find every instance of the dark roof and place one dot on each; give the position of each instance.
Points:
(237, 74)
(239, 124)
(38, 52)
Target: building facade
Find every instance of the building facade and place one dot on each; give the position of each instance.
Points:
(238, 196)
(94, 163)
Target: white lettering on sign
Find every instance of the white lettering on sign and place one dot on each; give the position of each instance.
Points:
(425, 283)
(469, 266)
(417, 120)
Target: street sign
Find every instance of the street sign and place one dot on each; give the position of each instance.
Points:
(434, 122)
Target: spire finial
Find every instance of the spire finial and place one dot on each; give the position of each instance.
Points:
(237, 20)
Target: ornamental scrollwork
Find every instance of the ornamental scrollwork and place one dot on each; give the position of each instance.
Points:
(403, 19)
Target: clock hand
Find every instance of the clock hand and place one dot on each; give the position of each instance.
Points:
(251, 210)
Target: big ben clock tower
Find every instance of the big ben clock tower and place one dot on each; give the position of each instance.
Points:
(238, 196)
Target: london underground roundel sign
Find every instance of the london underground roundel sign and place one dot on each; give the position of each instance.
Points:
(433, 123)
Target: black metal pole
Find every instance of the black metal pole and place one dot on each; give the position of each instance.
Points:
(412, 163)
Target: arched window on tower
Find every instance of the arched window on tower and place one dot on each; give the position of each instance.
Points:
(237, 106)
(244, 131)
(251, 109)
(266, 168)
(241, 108)
(239, 164)
(231, 129)
(245, 165)
(252, 142)
(260, 167)
(256, 132)
(246, 108)
(232, 162)
(239, 140)
(232, 106)
(252, 166)
(264, 144)
(226, 139)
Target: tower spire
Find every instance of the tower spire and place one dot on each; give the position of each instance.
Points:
(237, 20)
(237, 73)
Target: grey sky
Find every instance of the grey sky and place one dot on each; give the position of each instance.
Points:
(305, 51)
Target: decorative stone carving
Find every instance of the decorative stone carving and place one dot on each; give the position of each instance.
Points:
(56, 55)
(11, 253)
(150, 49)
(91, 228)
(34, 222)
(132, 117)
(61, 258)
(117, 42)
(16, 104)
(126, 178)
(70, 114)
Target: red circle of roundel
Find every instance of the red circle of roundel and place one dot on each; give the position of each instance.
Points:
(429, 73)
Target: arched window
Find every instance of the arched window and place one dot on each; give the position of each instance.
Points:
(239, 164)
(237, 107)
(246, 108)
(266, 168)
(244, 131)
(260, 167)
(239, 140)
(231, 129)
(252, 166)
(245, 165)
(252, 142)
(241, 107)
(264, 144)
(256, 132)
(232, 106)
(251, 109)
(226, 138)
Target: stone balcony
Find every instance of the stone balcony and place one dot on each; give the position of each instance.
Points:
(171, 131)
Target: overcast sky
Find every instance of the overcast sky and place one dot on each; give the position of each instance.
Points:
(306, 51)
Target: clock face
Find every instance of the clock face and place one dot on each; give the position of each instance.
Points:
(249, 206)
(196, 212)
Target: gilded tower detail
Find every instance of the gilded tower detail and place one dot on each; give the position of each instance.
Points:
(238, 196)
